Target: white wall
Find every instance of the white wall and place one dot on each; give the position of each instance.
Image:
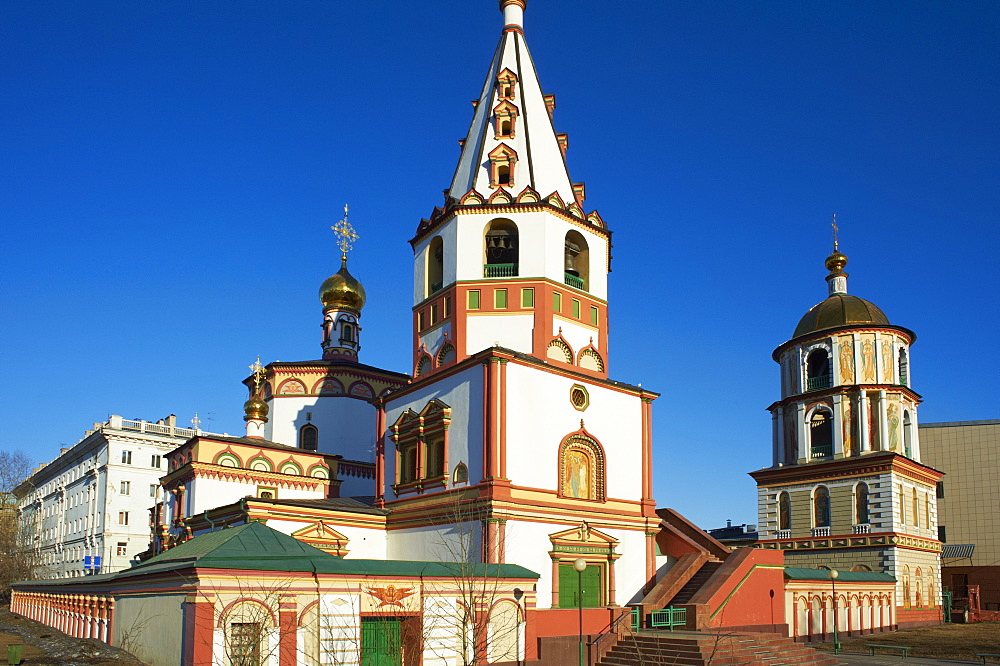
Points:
(512, 331)
(346, 425)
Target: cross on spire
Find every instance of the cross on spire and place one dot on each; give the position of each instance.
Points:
(345, 235)
(835, 230)
(257, 369)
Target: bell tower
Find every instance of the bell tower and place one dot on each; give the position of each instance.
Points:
(846, 488)
(511, 259)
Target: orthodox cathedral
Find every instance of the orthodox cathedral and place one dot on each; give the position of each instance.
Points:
(508, 447)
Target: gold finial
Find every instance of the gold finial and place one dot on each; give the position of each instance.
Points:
(836, 261)
(345, 235)
(835, 230)
(258, 374)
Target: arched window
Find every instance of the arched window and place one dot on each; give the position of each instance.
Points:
(309, 437)
(576, 254)
(821, 507)
(346, 332)
(906, 585)
(818, 374)
(904, 368)
(435, 265)
(861, 504)
(461, 474)
(784, 512)
(821, 434)
(916, 508)
(502, 161)
(500, 248)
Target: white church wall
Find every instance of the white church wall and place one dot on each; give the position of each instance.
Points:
(434, 338)
(346, 425)
(540, 415)
(204, 493)
(441, 543)
(485, 330)
(355, 486)
(577, 335)
(462, 392)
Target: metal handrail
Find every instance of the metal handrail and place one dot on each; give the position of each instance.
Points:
(634, 611)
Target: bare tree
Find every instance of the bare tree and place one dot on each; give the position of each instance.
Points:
(19, 556)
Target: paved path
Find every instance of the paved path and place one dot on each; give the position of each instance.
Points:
(862, 659)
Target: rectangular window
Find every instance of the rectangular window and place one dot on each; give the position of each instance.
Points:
(244, 643)
(267, 493)
(122, 549)
(126, 487)
(420, 320)
(154, 490)
(155, 462)
(500, 298)
(593, 315)
(473, 299)
(126, 457)
(527, 298)
(446, 307)
(434, 314)
(576, 308)
(942, 535)
(123, 517)
(940, 489)
(557, 301)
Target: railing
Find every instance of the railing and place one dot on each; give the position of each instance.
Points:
(821, 382)
(634, 623)
(668, 617)
(436, 287)
(862, 529)
(499, 270)
(824, 451)
(157, 428)
(821, 531)
(573, 280)
(783, 534)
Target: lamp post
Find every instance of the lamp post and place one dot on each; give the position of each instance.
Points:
(833, 584)
(579, 564)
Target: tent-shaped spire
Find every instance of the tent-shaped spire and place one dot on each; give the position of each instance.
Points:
(512, 142)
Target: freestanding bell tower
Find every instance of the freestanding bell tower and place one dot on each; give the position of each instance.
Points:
(846, 489)
(511, 258)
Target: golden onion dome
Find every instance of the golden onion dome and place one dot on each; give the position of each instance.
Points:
(836, 262)
(255, 409)
(840, 310)
(342, 290)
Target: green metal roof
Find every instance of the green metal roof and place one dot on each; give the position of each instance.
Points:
(798, 573)
(256, 547)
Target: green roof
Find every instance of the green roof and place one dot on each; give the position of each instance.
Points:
(798, 573)
(256, 547)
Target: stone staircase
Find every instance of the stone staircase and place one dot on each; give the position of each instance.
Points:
(660, 648)
(700, 578)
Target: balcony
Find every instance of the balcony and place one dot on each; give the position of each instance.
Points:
(862, 529)
(573, 280)
(499, 270)
(821, 531)
(821, 452)
(436, 286)
(783, 534)
(820, 382)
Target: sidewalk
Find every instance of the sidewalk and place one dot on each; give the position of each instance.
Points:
(862, 659)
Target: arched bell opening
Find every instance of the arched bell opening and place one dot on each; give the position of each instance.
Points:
(818, 372)
(435, 265)
(576, 259)
(500, 249)
(821, 435)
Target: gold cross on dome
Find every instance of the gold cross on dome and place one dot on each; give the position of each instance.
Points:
(835, 230)
(258, 373)
(345, 234)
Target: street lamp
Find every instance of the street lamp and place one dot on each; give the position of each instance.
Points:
(833, 583)
(579, 564)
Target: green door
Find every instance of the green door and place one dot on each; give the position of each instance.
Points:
(380, 642)
(570, 581)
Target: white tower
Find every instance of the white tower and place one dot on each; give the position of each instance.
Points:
(511, 259)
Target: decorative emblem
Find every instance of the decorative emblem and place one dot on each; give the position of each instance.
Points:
(258, 374)
(391, 595)
(345, 234)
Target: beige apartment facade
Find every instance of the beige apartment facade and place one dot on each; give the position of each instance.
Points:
(968, 452)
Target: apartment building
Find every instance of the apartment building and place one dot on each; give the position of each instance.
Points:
(93, 500)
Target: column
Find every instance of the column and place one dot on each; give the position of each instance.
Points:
(776, 452)
(800, 429)
(379, 450)
(838, 426)
(883, 422)
(199, 613)
(914, 435)
(862, 410)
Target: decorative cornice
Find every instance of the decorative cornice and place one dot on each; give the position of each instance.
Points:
(876, 540)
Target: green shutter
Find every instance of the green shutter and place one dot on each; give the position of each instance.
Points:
(593, 315)
(474, 299)
(527, 298)
(500, 298)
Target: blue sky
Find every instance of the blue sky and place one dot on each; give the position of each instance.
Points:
(169, 172)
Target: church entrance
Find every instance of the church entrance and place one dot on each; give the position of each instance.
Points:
(570, 582)
(381, 641)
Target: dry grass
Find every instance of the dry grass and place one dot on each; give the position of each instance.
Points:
(947, 641)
